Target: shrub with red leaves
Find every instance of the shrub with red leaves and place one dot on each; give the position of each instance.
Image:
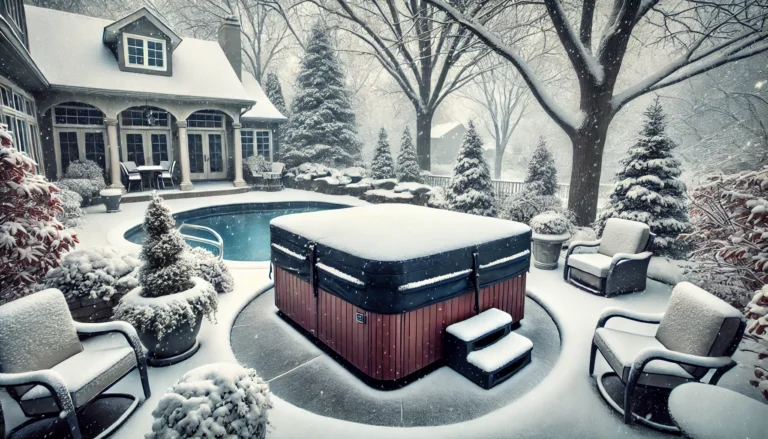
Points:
(31, 239)
(757, 313)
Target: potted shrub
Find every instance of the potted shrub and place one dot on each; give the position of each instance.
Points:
(86, 178)
(112, 199)
(550, 231)
(168, 306)
(215, 400)
(208, 266)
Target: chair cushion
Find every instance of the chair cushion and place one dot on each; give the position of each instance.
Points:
(36, 332)
(620, 349)
(87, 374)
(623, 236)
(595, 264)
(698, 323)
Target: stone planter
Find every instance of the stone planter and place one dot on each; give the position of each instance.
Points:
(546, 250)
(175, 346)
(112, 199)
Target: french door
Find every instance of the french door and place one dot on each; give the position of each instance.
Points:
(80, 144)
(207, 155)
(146, 147)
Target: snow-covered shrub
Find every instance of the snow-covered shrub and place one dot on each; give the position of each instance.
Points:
(256, 164)
(470, 189)
(757, 313)
(382, 166)
(221, 400)
(32, 240)
(88, 170)
(71, 214)
(98, 272)
(549, 223)
(542, 173)
(648, 188)
(407, 165)
(310, 171)
(436, 198)
(207, 266)
(82, 186)
(730, 235)
(522, 206)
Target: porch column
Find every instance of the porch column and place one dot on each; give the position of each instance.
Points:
(114, 154)
(186, 184)
(239, 182)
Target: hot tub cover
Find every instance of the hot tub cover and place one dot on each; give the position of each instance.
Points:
(393, 258)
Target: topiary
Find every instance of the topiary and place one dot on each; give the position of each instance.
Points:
(214, 401)
(207, 266)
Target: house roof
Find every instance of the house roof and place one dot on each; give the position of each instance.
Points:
(438, 131)
(263, 110)
(70, 52)
(112, 31)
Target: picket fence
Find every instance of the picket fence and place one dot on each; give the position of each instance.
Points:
(504, 188)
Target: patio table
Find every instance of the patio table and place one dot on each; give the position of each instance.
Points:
(703, 411)
(149, 170)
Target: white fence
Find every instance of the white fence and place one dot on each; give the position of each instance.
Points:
(504, 188)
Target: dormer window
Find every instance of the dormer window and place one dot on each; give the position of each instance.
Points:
(144, 52)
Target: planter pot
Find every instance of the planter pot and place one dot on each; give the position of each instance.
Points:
(86, 201)
(111, 199)
(175, 346)
(546, 250)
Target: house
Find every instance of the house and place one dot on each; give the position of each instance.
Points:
(446, 140)
(77, 87)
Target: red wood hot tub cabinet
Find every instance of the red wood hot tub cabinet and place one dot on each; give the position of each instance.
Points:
(379, 284)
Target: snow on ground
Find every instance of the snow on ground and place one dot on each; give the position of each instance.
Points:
(564, 404)
(668, 271)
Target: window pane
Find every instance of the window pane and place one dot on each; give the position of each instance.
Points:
(203, 119)
(18, 102)
(69, 150)
(134, 147)
(196, 159)
(21, 136)
(154, 54)
(262, 144)
(159, 148)
(135, 118)
(78, 116)
(215, 150)
(94, 149)
(6, 98)
(246, 138)
(37, 154)
(135, 51)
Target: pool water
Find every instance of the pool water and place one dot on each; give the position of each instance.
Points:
(244, 228)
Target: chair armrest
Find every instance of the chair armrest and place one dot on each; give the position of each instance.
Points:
(610, 313)
(576, 244)
(621, 257)
(50, 379)
(649, 354)
(124, 328)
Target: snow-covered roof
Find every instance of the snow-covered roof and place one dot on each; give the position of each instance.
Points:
(263, 110)
(70, 52)
(397, 232)
(439, 131)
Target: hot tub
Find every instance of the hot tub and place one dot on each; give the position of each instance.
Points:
(379, 284)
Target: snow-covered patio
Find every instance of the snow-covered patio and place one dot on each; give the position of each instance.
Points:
(564, 403)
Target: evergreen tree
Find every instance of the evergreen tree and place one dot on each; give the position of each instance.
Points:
(165, 270)
(274, 92)
(322, 125)
(470, 189)
(407, 165)
(542, 174)
(382, 165)
(648, 188)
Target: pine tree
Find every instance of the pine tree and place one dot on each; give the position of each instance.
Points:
(648, 188)
(382, 165)
(407, 165)
(322, 128)
(542, 174)
(274, 92)
(470, 189)
(165, 270)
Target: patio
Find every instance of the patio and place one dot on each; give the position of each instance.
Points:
(561, 401)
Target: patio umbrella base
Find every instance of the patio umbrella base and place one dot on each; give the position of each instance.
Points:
(650, 405)
(98, 419)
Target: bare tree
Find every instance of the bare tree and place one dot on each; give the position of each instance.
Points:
(707, 34)
(427, 57)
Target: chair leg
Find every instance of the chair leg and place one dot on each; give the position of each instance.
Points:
(629, 390)
(592, 355)
(719, 372)
(144, 379)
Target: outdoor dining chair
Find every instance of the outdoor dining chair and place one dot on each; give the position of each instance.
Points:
(131, 177)
(167, 173)
(272, 179)
(620, 264)
(45, 368)
(698, 333)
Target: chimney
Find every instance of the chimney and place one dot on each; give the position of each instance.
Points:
(229, 40)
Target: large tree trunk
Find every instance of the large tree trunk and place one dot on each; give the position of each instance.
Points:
(424, 139)
(588, 144)
(497, 161)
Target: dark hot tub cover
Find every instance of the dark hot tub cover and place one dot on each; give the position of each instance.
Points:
(393, 258)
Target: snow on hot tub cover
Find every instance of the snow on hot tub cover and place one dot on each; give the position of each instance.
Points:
(392, 258)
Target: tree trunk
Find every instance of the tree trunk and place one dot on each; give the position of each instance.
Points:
(424, 139)
(497, 161)
(588, 143)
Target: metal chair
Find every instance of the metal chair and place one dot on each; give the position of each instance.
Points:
(698, 332)
(131, 177)
(273, 178)
(167, 173)
(620, 264)
(47, 371)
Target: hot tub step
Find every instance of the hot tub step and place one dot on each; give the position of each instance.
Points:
(476, 333)
(490, 366)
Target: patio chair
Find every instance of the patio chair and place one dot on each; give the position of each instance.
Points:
(620, 264)
(273, 178)
(167, 174)
(698, 332)
(45, 369)
(131, 177)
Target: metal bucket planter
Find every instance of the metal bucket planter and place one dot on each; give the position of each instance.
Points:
(112, 199)
(546, 250)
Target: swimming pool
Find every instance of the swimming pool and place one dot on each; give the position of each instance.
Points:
(244, 228)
